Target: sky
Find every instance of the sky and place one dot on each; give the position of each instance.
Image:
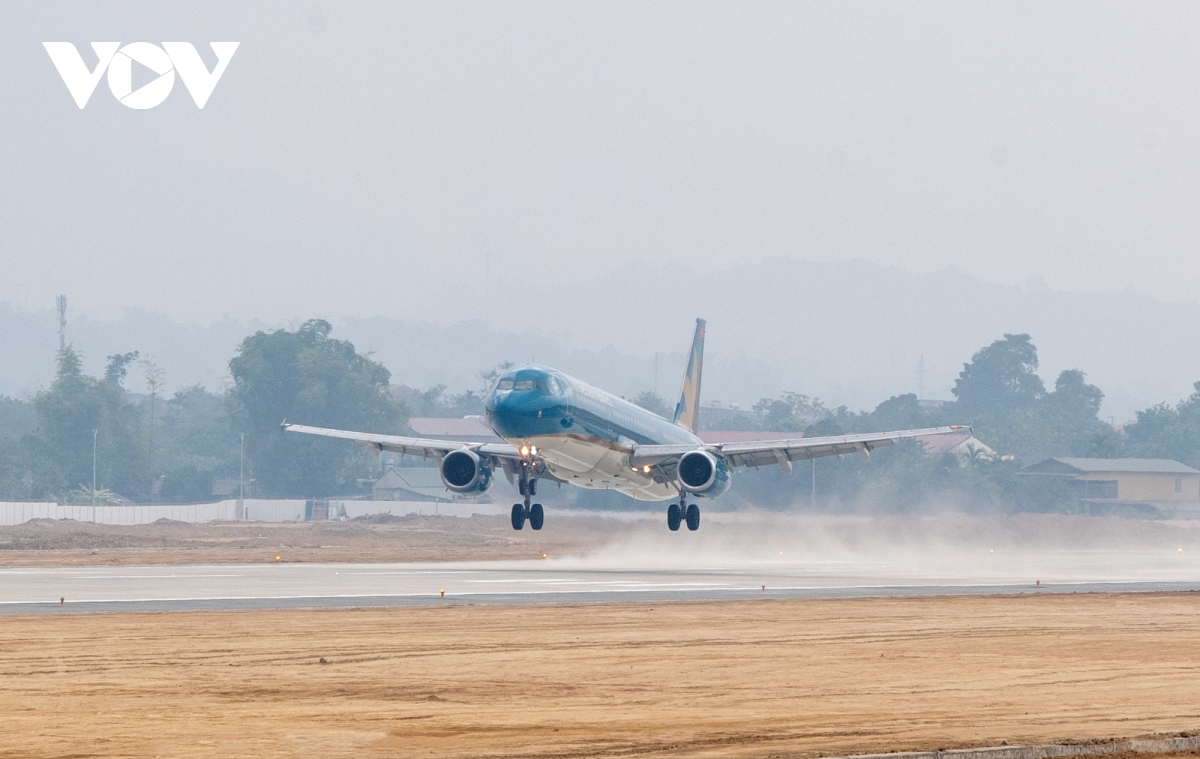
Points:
(447, 160)
(603, 173)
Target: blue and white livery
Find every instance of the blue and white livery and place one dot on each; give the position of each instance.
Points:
(562, 429)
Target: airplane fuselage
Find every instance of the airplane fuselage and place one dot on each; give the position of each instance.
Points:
(584, 434)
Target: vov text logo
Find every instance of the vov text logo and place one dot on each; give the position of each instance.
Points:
(165, 61)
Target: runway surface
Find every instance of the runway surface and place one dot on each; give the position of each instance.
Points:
(281, 586)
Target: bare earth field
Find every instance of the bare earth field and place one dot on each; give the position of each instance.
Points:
(754, 536)
(44, 542)
(747, 679)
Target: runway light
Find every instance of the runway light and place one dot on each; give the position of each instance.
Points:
(443, 592)
(991, 550)
(276, 558)
(545, 555)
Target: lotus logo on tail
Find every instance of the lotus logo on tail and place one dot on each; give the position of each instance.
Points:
(165, 61)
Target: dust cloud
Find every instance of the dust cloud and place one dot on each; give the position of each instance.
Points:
(947, 548)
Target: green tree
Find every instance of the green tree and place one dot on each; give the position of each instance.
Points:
(1168, 432)
(17, 417)
(187, 484)
(309, 378)
(1001, 379)
(436, 402)
(118, 367)
(900, 412)
(654, 403)
(61, 449)
(790, 412)
(13, 485)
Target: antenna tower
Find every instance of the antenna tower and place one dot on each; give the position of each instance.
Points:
(921, 377)
(61, 302)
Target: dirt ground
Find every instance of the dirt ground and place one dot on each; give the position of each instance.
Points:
(752, 535)
(46, 542)
(737, 679)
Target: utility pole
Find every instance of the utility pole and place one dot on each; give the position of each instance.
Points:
(61, 302)
(241, 505)
(94, 433)
(921, 377)
(154, 383)
(813, 497)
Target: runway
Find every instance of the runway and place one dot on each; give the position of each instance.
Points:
(289, 586)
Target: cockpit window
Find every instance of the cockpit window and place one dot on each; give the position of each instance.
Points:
(523, 384)
(505, 385)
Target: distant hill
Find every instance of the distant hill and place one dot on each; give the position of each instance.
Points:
(851, 333)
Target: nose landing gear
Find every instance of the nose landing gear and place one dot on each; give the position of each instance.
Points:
(531, 511)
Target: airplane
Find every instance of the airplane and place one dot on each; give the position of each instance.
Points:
(561, 429)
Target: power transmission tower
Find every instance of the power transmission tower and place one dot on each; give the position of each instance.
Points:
(61, 302)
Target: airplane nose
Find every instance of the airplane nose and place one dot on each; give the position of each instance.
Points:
(523, 414)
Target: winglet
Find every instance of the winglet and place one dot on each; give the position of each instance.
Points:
(687, 411)
(284, 425)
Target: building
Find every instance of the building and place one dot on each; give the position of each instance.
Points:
(965, 447)
(411, 484)
(1142, 480)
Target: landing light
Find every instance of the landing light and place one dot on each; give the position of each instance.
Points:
(646, 469)
(524, 450)
(533, 450)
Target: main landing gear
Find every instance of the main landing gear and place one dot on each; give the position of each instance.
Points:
(683, 512)
(523, 511)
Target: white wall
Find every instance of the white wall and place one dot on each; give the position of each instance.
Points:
(257, 510)
(404, 508)
(273, 511)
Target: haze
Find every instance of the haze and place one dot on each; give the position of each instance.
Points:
(448, 162)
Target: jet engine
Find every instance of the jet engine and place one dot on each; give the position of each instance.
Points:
(703, 474)
(465, 472)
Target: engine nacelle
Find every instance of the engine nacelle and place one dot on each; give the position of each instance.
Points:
(466, 473)
(703, 474)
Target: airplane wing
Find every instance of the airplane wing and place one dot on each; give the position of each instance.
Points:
(409, 446)
(781, 452)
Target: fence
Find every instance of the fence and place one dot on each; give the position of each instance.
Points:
(262, 510)
(255, 510)
(404, 508)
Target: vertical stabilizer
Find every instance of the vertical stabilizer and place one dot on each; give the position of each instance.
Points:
(687, 411)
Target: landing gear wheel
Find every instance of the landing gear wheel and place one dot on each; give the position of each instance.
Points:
(693, 517)
(673, 517)
(518, 516)
(536, 516)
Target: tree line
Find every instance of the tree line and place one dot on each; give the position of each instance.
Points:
(1000, 395)
(173, 449)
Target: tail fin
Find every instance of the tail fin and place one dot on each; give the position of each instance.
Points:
(687, 411)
